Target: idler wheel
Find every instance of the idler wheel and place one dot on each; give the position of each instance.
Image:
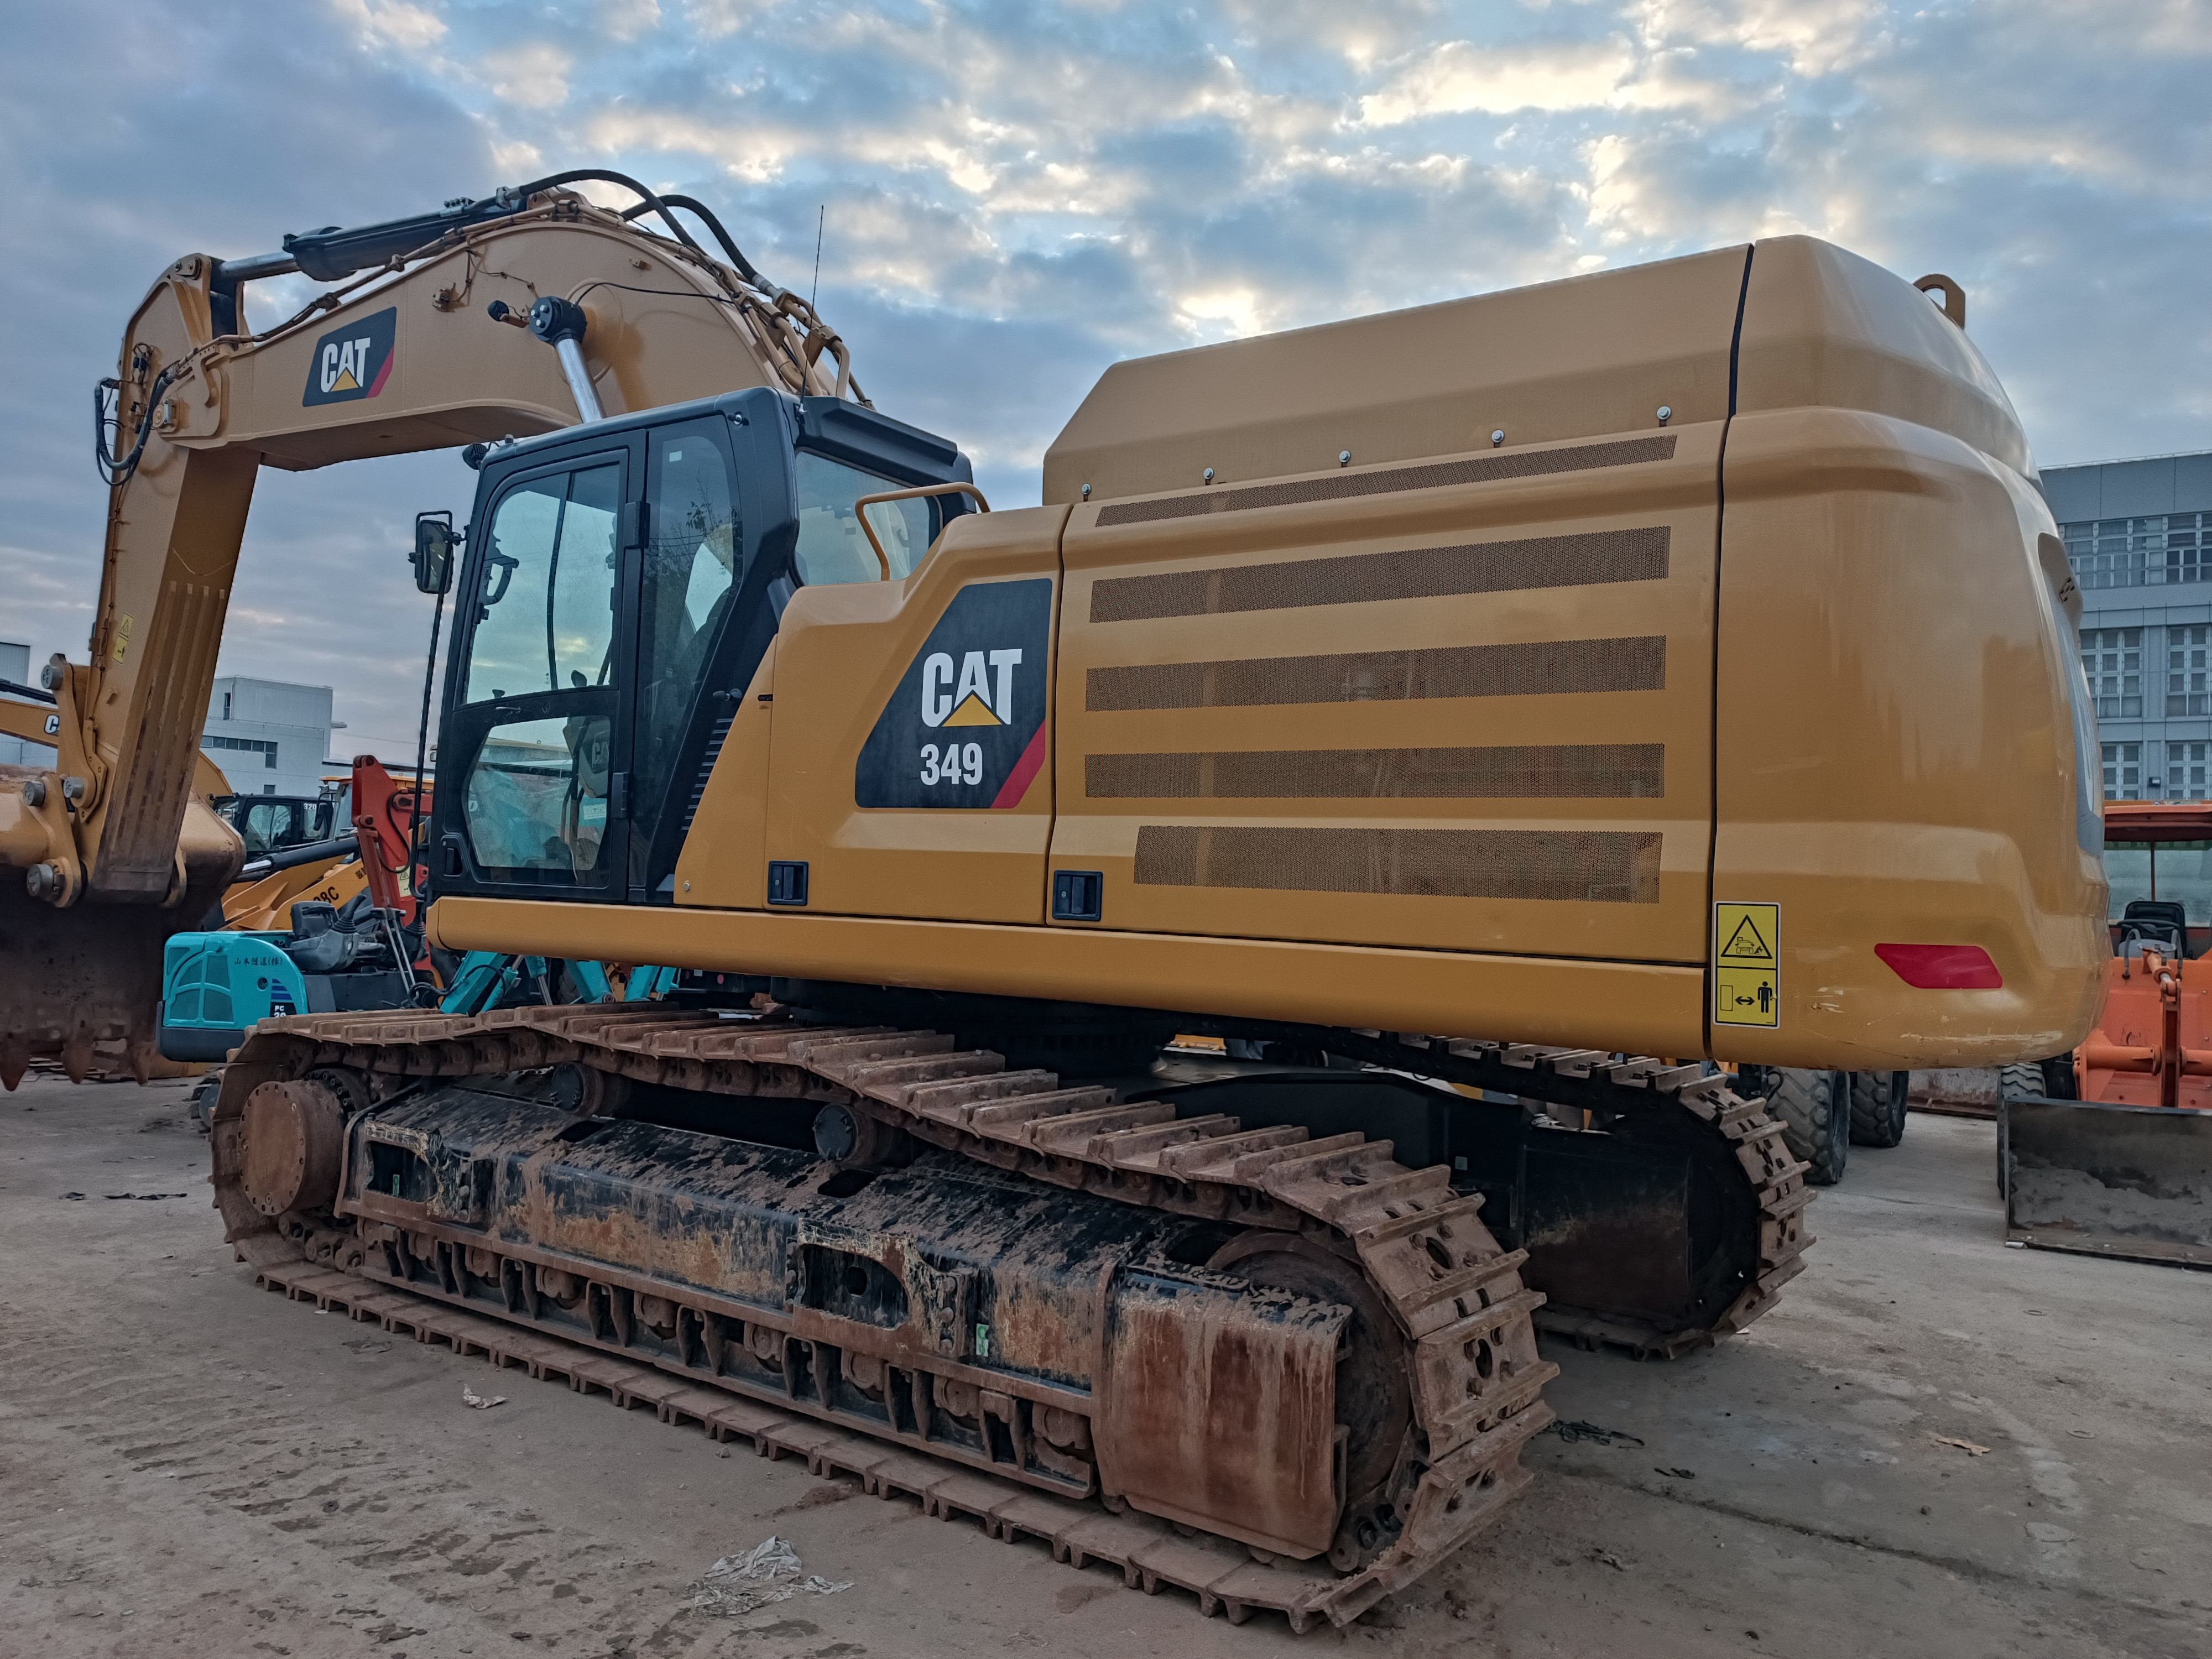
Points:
(294, 1135)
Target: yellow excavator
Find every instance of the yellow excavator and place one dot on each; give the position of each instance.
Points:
(1485, 720)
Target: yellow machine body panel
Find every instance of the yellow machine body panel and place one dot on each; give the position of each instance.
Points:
(844, 653)
(1627, 662)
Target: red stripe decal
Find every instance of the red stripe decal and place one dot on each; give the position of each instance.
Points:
(385, 373)
(1025, 770)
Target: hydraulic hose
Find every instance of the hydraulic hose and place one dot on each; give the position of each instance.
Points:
(742, 265)
(576, 175)
(114, 469)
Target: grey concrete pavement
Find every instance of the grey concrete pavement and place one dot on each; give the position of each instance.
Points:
(190, 1466)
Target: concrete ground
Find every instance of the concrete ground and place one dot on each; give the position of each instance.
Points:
(191, 1466)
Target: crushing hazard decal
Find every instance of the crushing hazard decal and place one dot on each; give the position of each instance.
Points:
(352, 361)
(1747, 964)
(966, 726)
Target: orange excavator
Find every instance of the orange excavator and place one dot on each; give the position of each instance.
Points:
(368, 856)
(2108, 1150)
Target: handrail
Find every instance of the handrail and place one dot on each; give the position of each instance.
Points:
(869, 530)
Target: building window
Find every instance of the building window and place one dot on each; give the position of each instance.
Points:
(2141, 552)
(266, 750)
(2188, 659)
(2123, 771)
(226, 705)
(2186, 765)
(2113, 658)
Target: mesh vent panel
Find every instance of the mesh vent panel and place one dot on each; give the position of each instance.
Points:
(714, 741)
(1582, 865)
(1592, 771)
(1479, 469)
(1469, 671)
(1417, 573)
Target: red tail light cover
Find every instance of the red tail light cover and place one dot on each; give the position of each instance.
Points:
(1942, 967)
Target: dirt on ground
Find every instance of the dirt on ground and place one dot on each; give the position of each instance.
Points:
(1937, 1446)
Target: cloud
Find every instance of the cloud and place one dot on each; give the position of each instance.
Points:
(1458, 76)
(534, 74)
(626, 19)
(391, 23)
(1016, 196)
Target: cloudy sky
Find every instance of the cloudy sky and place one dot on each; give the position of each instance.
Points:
(1018, 194)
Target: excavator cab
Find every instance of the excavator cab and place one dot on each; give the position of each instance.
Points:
(623, 582)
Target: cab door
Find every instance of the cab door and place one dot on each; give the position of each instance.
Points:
(536, 735)
(704, 620)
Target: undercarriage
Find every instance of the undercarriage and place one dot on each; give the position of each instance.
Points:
(1190, 1298)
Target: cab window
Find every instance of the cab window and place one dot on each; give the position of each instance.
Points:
(545, 616)
(832, 547)
(2178, 871)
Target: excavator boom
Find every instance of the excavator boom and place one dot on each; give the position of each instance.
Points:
(404, 355)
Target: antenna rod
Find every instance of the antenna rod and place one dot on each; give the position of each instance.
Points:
(820, 221)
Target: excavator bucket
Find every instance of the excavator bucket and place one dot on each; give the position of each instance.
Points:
(79, 989)
(2102, 1179)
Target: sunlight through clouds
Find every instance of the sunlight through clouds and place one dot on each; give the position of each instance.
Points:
(1458, 78)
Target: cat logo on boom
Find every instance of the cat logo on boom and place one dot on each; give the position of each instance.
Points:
(352, 361)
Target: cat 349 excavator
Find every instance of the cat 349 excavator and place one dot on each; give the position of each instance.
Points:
(1490, 715)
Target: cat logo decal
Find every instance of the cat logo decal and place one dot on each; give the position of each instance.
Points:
(352, 361)
(966, 726)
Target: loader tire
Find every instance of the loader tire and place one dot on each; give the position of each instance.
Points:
(2032, 1078)
(1878, 1102)
(1816, 1112)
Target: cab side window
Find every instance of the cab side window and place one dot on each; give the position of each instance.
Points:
(832, 548)
(546, 616)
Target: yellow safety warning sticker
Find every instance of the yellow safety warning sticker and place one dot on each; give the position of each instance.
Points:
(1747, 964)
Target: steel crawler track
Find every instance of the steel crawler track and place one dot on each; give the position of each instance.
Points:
(1637, 1090)
(1455, 1298)
(1151, 1554)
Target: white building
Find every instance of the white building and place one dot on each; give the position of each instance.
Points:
(16, 664)
(269, 738)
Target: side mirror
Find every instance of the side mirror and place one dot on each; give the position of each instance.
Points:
(433, 558)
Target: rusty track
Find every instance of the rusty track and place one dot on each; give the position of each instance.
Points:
(1473, 1372)
(1152, 1553)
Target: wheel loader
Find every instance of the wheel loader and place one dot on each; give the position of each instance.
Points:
(1493, 716)
(2106, 1149)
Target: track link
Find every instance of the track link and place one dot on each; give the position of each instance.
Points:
(1474, 1373)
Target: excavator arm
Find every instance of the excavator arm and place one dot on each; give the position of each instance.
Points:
(503, 317)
